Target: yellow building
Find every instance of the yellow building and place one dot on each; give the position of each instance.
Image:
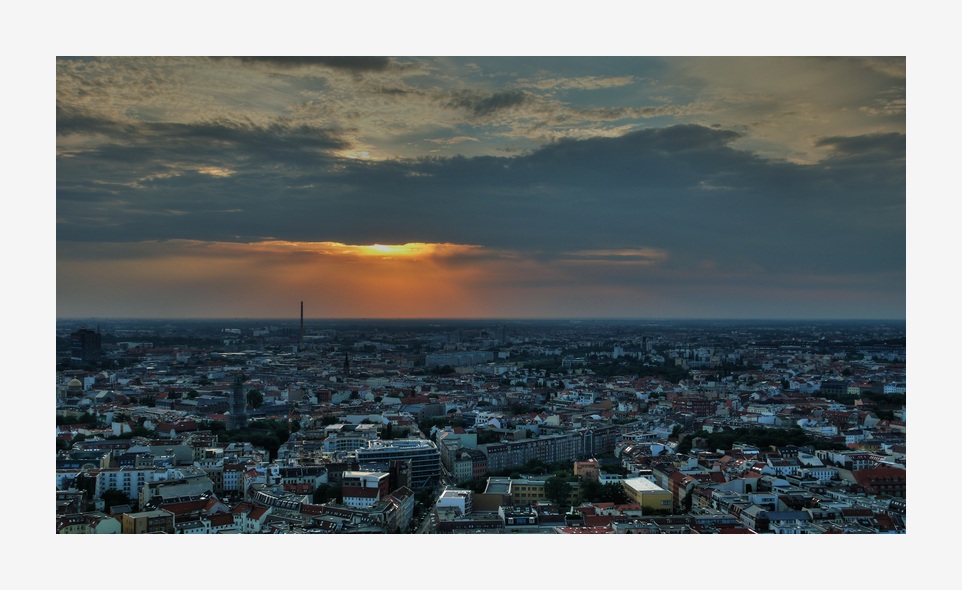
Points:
(527, 492)
(587, 469)
(151, 521)
(647, 494)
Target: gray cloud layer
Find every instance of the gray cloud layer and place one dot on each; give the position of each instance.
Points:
(684, 189)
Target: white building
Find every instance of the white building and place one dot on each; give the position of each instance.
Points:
(363, 489)
(455, 498)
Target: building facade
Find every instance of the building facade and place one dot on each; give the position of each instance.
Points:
(363, 489)
(423, 455)
(149, 522)
(647, 494)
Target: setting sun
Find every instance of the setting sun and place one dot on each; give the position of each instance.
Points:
(397, 250)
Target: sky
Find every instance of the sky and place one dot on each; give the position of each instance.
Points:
(481, 187)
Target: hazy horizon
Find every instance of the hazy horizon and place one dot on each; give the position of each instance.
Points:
(482, 319)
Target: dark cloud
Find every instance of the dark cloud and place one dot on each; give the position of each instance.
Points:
(649, 153)
(397, 91)
(481, 105)
(72, 120)
(145, 146)
(279, 142)
(349, 63)
(878, 145)
(684, 190)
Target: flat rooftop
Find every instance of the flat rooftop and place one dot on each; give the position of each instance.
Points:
(498, 486)
(642, 484)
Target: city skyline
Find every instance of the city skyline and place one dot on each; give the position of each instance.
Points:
(609, 187)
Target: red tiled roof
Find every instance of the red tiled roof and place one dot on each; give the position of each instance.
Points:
(222, 519)
(242, 508)
(361, 492)
(178, 508)
(856, 512)
(598, 520)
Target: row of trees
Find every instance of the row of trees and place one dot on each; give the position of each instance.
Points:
(758, 437)
(558, 490)
(267, 434)
(85, 418)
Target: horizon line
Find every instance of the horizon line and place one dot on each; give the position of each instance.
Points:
(482, 319)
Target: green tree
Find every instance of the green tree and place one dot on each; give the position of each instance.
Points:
(114, 497)
(325, 493)
(255, 398)
(86, 483)
(557, 490)
(614, 492)
(536, 466)
(591, 490)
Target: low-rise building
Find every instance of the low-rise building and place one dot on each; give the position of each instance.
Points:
(647, 494)
(363, 489)
(148, 522)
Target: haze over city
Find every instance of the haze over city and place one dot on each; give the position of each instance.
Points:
(502, 187)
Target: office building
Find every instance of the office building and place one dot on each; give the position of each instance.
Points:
(424, 457)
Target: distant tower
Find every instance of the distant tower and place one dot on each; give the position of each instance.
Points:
(347, 366)
(301, 340)
(85, 346)
(238, 406)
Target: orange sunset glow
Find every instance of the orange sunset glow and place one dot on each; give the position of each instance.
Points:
(400, 280)
(411, 280)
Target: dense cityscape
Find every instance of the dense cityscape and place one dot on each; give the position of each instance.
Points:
(480, 426)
